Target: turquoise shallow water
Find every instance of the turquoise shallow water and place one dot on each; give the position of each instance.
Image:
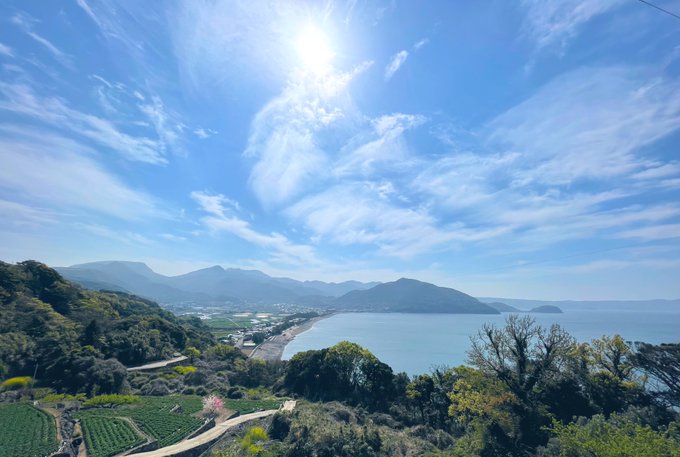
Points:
(414, 343)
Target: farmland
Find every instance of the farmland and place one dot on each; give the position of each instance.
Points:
(166, 419)
(26, 431)
(107, 436)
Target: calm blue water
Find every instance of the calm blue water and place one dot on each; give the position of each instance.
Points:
(416, 342)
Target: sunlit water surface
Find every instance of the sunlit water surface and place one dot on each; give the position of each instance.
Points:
(414, 343)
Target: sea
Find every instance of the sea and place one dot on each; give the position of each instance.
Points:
(416, 343)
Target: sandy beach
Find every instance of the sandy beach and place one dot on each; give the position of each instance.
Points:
(272, 349)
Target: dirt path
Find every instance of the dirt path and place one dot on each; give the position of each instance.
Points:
(213, 434)
(160, 364)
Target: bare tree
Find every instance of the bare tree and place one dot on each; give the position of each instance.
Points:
(522, 354)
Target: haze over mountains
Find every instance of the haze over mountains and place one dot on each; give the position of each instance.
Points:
(205, 285)
(216, 284)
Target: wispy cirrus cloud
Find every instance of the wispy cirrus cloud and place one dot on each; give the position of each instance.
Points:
(221, 218)
(589, 124)
(6, 50)
(26, 23)
(556, 22)
(395, 64)
(286, 136)
(48, 170)
(22, 100)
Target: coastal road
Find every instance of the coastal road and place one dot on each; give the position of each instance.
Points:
(159, 364)
(213, 434)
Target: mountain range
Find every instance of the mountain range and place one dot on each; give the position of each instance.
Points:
(245, 287)
(201, 286)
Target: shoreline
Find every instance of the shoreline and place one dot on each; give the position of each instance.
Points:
(272, 349)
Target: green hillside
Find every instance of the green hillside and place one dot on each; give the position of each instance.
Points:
(80, 340)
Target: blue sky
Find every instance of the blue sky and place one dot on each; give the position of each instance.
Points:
(520, 149)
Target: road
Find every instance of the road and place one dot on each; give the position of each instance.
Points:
(213, 434)
(160, 364)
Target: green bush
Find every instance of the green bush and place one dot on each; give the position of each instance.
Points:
(16, 383)
(110, 400)
(185, 369)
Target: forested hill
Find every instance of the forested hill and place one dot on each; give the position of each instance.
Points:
(81, 337)
(411, 296)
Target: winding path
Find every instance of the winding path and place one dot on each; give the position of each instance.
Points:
(213, 434)
(160, 364)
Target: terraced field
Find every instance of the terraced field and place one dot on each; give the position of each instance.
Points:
(26, 431)
(166, 419)
(107, 436)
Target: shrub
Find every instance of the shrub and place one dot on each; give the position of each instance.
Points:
(110, 400)
(185, 369)
(19, 382)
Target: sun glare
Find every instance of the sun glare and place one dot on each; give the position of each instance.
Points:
(314, 49)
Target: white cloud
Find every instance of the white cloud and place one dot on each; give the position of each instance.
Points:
(551, 22)
(204, 133)
(25, 22)
(47, 169)
(6, 50)
(166, 123)
(20, 99)
(388, 150)
(395, 63)
(588, 124)
(351, 214)
(221, 218)
(660, 171)
(285, 138)
(654, 232)
(18, 214)
(420, 43)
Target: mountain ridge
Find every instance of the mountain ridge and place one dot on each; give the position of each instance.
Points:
(412, 296)
(204, 285)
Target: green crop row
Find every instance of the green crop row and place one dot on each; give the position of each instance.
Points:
(26, 431)
(107, 436)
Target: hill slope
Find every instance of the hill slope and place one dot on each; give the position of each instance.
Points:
(411, 296)
(79, 338)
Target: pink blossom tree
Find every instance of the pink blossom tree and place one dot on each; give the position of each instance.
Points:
(212, 406)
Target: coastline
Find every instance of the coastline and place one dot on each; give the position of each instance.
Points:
(272, 349)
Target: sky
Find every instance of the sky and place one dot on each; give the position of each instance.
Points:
(526, 149)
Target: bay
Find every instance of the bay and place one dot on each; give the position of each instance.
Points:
(415, 343)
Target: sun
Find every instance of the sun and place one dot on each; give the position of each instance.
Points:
(314, 50)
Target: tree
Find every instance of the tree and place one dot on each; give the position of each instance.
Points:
(524, 357)
(212, 406)
(662, 363)
(616, 437)
(613, 355)
(192, 353)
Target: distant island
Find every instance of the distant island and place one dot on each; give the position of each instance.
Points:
(546, 309)
(505, 308)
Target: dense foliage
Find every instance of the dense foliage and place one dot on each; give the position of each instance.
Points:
(80, 340)
(528, 391)
(26, 431)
